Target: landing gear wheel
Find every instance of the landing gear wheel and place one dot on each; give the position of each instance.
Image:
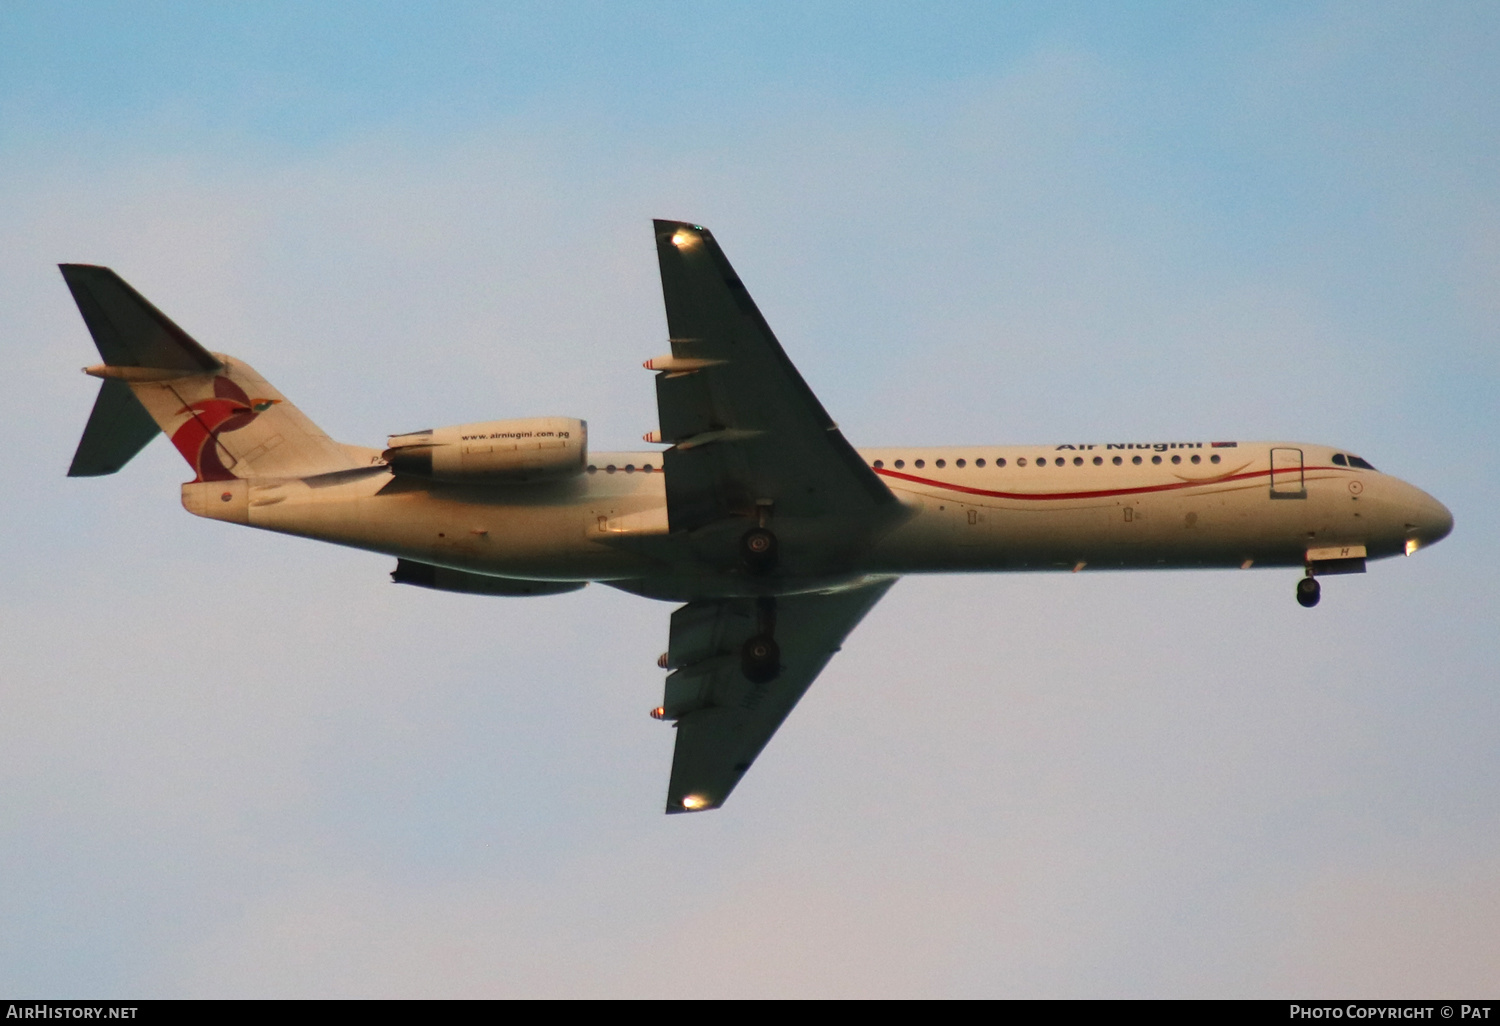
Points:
(760, 659)
(758, 550)
(1308, 592)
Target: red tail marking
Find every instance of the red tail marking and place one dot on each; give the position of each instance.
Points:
(197, 439)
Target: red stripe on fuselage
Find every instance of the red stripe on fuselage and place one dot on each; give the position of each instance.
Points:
(1102, 494)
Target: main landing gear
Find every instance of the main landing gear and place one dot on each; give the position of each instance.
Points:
(760, 656)
(1308, 592)
(760, 659)
(758, 550)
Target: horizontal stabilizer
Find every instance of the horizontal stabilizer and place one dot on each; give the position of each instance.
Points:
(127, 329)
(118, 428)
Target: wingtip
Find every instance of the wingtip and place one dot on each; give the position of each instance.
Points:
(692, 803)
(665, 226)
(81, 274)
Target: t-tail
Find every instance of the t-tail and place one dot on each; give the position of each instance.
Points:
(224, 418)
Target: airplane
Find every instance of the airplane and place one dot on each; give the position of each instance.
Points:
(774, 533)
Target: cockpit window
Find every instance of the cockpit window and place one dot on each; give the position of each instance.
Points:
(1355, 461)
(1339, 461)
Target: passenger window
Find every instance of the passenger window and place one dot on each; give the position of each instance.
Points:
(1098, 461)
(879, 464)
(1156, 459)
(1176, 459)
(630, 468)
(979, 462)
(1001, 462)
(610, 469)
(1197, 458)
(920, 464)
(959, 464)
(1077, 461)
(900, 464)
(647, 468)
(1355, 461)
(1214, 458)
(941, 464)
(1021, 462)
(1136, 460)
(1117, 461)
(1339, 461)
(593, 469)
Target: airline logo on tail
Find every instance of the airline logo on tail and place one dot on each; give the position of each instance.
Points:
(229, 410)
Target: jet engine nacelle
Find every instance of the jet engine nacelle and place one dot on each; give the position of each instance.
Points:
(536, 449)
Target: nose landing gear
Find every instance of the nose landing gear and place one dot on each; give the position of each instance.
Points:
(1308, 592)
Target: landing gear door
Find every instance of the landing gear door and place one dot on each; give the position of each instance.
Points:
(1286, 474)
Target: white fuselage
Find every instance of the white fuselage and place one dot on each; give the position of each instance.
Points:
(1103, 506)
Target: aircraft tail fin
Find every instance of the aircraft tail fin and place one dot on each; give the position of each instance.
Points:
(225, 419)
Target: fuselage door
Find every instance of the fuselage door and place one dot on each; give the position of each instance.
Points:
(1286, 474)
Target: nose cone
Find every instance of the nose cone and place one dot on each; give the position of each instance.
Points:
(1429, 521)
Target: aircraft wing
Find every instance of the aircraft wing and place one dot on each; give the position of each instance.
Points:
(744, 426)
(725, 711)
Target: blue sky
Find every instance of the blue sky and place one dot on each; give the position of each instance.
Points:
(234, 764)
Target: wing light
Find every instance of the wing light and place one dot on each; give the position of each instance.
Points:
(682, 239)
(1412, 545)
(694, 802)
